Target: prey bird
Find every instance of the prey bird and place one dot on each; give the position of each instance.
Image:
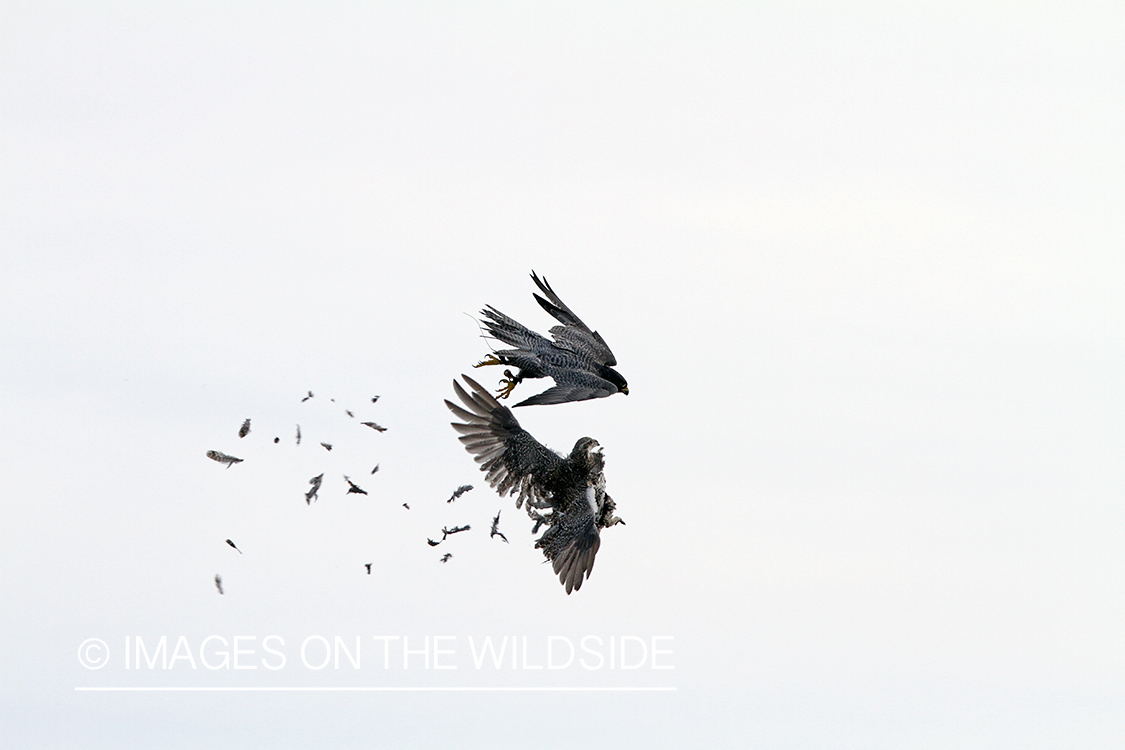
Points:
(578, 359)
(565, 493)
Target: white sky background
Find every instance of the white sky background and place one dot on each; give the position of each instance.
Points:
(863, 269)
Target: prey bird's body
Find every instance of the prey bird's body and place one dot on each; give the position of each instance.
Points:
(567, 493)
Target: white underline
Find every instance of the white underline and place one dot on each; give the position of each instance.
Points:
(377, 689)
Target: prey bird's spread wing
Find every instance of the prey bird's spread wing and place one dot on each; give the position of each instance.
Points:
(513, 461)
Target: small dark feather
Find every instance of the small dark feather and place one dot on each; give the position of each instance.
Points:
(219, 583)
(236, 548)
(368, 568)
(496, 528)
(306, 398)
(223, 458)
(327, 446)
(353, 487)
(459, 492)
(447, 557)
(312, 494)
(432, 543)
(374, 426)
(244, 430)
(455, 530)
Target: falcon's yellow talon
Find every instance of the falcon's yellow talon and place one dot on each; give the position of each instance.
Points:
(489, 360)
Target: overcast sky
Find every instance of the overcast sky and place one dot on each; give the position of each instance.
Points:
(863, 268)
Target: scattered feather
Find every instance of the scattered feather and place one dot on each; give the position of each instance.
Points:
(223, 458)
(459, 492)
(496, 528)
(312, 494)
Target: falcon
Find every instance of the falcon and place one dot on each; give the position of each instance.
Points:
(578, 359)
(565, 493)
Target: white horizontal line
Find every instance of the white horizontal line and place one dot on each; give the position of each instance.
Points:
(376, 689)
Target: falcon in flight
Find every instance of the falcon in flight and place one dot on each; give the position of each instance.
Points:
(567, 493)
(578, 359)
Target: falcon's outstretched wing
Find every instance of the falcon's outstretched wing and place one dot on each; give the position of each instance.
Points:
(573, 333)
(513, 461)
(586, 386)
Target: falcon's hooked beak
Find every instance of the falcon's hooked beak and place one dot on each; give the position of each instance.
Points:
(625, 389)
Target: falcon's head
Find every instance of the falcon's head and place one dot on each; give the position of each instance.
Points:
(614, 377)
